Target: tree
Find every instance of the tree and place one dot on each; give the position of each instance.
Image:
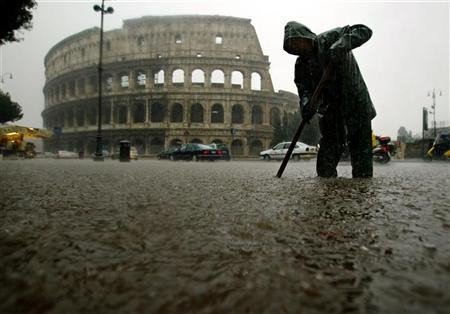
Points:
(9, 110)
(14, 16)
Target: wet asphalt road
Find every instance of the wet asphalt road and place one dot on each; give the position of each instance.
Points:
(222, 237)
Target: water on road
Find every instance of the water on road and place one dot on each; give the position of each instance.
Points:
(222, 237)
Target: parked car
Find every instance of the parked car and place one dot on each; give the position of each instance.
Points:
(193, 151)
(301, 151)
(66, 154)
(225, 151)
(165, 154)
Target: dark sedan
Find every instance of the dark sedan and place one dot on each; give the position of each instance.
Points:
(197, 152)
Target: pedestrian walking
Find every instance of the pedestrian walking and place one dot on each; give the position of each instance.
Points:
(343, 104)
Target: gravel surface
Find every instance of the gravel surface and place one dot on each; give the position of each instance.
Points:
(149, 236)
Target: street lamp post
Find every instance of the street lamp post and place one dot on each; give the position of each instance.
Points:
(433, 95)
(99, 148)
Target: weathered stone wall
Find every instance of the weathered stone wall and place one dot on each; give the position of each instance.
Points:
(166, 80)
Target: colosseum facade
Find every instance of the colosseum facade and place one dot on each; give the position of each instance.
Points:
(166, 80)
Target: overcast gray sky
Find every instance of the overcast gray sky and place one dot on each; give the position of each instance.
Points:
(407, 56)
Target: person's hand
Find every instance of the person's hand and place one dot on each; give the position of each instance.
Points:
(308, 112)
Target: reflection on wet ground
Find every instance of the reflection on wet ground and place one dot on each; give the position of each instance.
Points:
(222, 237)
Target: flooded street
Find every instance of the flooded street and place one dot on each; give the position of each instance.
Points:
(222, 237)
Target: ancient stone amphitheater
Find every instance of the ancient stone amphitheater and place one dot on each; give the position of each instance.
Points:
(166, 80)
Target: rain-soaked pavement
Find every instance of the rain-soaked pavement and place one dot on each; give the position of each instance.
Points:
(222, 237)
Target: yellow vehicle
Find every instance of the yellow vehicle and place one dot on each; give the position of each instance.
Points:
(12, 140)
(440, 148)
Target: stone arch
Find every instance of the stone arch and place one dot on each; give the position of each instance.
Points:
(139, 144)
(138, 113)
(91, 146)
(237, 79)
(157, 112)
(91, 114)
(217, 141)
(79, 117)
(141, 78)
(197, 141)
(178, 77)
(275, 115)
(121, 114)
(108, 82)
(256, 81)
(198, 77)
(197, 113)
(176, 142)
(106, 113)
(124, 80)
(255, 147)
(176, 113)
(237, 148)
(237, 114)
(156, 145)
(217, 115)
(217, 78)
(257, 114)
(159, 77)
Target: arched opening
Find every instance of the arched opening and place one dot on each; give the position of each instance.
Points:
(121, 114)
(176, 142)
(159, 78)
(255, 148)
(141, 79)
(124, 80)
(139, 113)
(139, 144)
(237, 114)
(217, 113)
(178, 77)
(274, 116)
(91, 146)
(92, 114)
(197, 113)
(197, 141)
(237, 80)
(198, 77)
(176, 114)
(217, 78)
(79, 117)
(69, 118)
(106, 113)
(157, 112)
(217, 141)
(108, 81)
(237, 148)
(256, 81)
(156, 145)
(257, 115)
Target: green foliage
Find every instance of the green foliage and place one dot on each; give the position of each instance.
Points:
(15, 15)
(9, 110)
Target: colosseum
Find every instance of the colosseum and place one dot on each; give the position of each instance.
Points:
(166, 80)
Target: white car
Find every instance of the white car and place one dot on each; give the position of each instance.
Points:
(66, 154)
(301, 150)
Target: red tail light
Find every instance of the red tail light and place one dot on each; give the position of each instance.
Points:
(205, 152)
(219, 152)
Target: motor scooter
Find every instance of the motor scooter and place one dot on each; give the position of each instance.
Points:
(383, 150)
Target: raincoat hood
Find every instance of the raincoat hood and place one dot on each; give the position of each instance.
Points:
(293, 30)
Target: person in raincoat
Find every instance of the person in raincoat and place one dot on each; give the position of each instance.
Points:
(343, 104)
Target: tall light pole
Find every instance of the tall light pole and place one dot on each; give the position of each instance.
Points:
(99, 148)
(433, 106)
